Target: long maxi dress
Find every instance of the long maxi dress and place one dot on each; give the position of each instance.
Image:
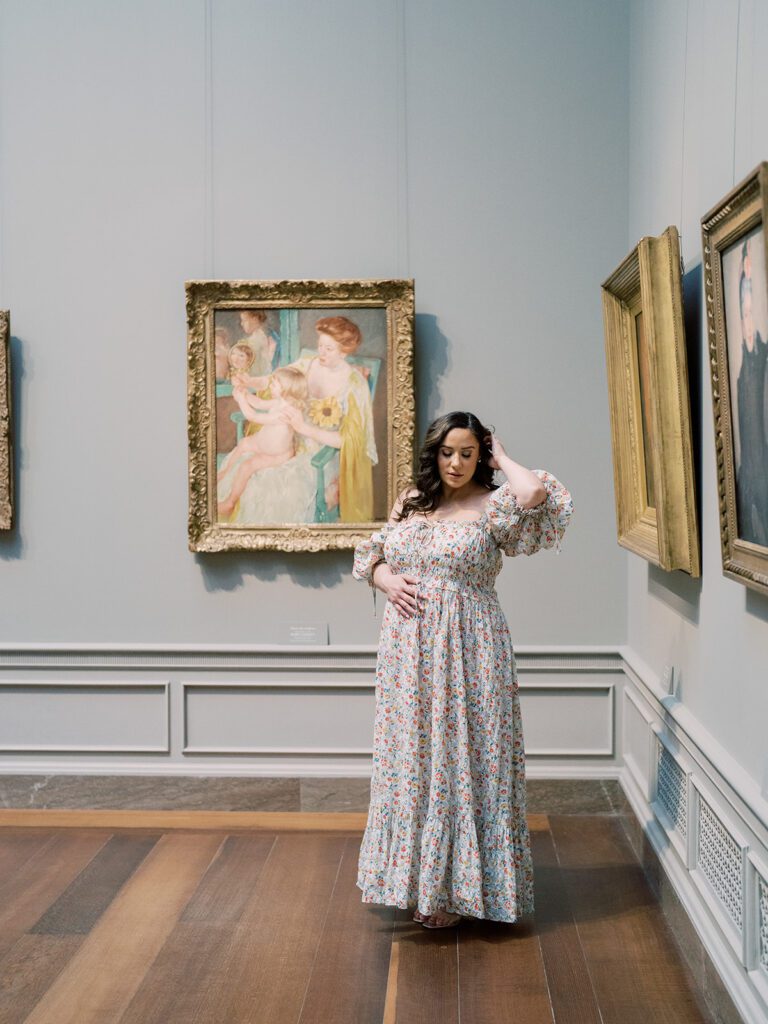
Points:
(447, 825)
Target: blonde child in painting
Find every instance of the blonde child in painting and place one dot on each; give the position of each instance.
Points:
(272, 444)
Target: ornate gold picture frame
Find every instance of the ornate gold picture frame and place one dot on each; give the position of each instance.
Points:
(6, 448)
(301, 411)
(736, 286)
(647, 368)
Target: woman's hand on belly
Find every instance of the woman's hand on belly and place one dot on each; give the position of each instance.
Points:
(400, 588)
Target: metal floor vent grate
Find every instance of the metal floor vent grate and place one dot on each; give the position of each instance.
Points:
(671, 788)
(719, 859)
(763, 923)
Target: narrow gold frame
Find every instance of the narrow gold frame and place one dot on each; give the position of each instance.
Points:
(650, 279)
(203, 298)
(742, 209)
(6, 446)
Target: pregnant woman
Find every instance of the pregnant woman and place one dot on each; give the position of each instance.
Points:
(447, 831)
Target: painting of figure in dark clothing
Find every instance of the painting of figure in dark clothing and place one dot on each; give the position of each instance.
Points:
(746, 319)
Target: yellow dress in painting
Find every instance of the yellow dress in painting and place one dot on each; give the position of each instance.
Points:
(357, 453)
(355, 466)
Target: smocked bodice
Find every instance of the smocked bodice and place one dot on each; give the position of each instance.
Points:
(467, 555)
(458, 554)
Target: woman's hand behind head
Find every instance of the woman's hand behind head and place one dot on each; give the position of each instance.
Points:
(497, 450)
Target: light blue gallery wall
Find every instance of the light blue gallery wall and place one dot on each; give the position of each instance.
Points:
(481, 149)
(698, 96)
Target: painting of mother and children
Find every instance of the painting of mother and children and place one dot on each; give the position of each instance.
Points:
(301, 414)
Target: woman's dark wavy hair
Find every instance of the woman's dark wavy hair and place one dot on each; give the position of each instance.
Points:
(428, 484)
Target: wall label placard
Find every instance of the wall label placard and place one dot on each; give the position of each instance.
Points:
(305, 633)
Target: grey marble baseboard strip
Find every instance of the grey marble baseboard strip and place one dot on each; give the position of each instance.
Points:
(207, 793)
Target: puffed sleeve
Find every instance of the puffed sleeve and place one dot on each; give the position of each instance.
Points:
(369, 553)
(524, 531)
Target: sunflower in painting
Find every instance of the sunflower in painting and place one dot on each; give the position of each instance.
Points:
(326, 412)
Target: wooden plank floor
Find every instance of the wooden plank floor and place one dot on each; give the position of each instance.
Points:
(137, 925)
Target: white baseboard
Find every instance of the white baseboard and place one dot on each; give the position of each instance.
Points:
(715, 872)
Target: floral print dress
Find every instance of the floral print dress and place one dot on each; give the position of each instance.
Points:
(447, 823)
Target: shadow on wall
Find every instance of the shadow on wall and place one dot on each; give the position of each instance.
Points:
(324, 569)
(757, 605)
(430, 363)
(227, 570)
(677, 589)
(11, 545)
(692, 297)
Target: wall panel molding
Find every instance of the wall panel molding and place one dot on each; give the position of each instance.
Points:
(277, 656)
(282, 710)
(94, 716)
(266, 717)
(736, 786)
(706, 823)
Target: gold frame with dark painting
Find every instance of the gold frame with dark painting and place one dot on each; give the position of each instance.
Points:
(301, 411)
(647, 368)
(6, 449)
(735, 255)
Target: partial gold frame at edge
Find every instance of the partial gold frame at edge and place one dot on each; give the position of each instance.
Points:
(6, 446)
(667, 536)
(743, 207)
(202, 298)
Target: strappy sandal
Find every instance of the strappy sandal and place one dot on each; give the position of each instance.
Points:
(448, 924)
